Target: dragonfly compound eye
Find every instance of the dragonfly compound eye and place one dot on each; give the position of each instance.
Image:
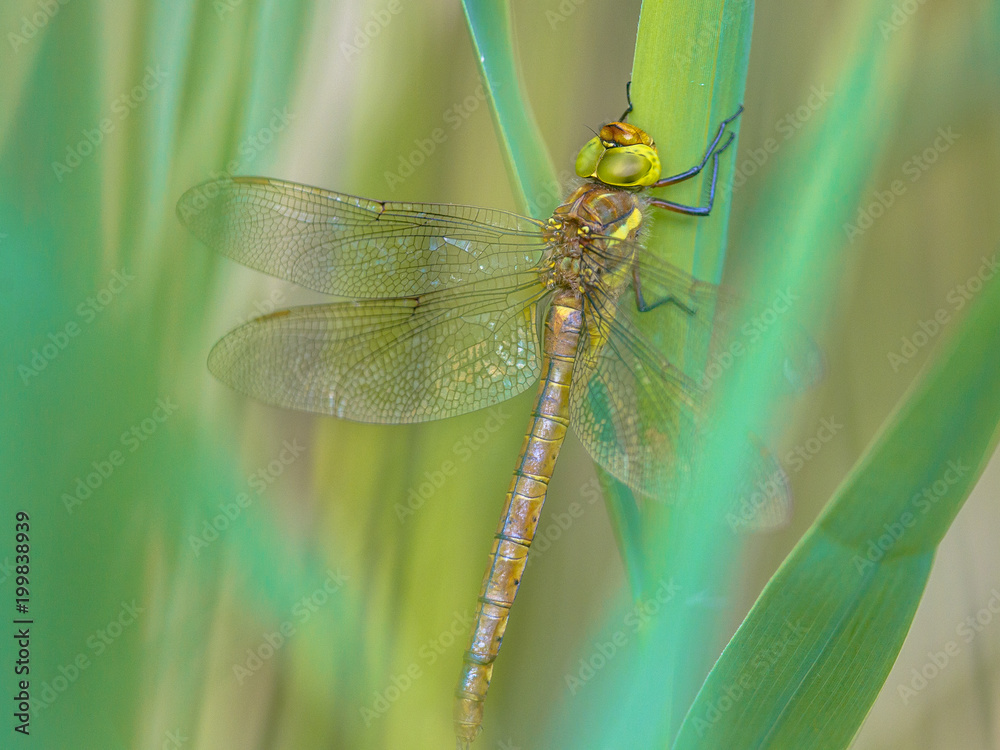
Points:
(589, 156)
(629, 166)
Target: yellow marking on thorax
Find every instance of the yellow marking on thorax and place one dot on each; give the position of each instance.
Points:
(631, 223)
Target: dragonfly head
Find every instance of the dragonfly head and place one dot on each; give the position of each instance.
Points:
(621, 155)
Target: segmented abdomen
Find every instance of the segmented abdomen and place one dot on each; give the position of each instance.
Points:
(509, 556)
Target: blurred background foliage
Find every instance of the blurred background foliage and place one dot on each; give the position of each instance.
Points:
(247, 577)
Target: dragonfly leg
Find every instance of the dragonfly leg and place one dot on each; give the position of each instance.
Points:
(711, 151)
(696, 210)
(644, 306)
(628, 98)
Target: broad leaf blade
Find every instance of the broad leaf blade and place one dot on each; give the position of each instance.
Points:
(806, 665)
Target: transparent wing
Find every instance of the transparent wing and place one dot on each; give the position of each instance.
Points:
(354, 247)
(390, 361)
(763, 498)
(641, 417)
(631, 408)
(717, 318)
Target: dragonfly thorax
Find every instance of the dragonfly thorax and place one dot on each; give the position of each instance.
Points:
(590, 237)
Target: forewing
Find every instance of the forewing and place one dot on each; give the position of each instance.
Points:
(354, 247)
(389, 361)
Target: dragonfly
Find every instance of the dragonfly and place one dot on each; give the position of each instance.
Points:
(454, 308)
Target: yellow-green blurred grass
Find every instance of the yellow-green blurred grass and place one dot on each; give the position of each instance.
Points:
(336, 507)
